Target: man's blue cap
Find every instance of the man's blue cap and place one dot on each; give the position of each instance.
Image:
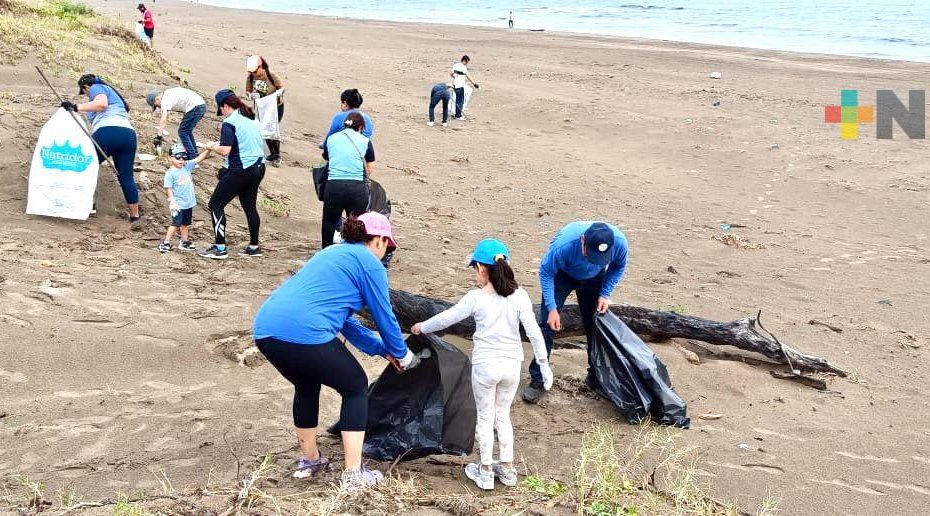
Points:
(599, 243)
(221, 96)
(489, 251)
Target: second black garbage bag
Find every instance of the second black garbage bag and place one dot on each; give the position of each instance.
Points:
(632, 376)
(427, 410)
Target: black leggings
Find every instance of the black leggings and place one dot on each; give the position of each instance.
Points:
(341, 196)
(310, 366)
(119, 143)
(242, 183)
(274, 146)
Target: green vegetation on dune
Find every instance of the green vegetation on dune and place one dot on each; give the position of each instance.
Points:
(68, 36)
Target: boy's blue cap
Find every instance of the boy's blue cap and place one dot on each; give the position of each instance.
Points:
(221, 96)
(488, 251)
(178, 150)
(599, 243)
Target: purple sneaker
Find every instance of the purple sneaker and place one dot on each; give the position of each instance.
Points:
(307, 468)
(361, 479)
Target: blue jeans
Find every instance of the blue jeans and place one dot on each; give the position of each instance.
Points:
(186, 129)
(587, 292)
(459, 102)
(437, 95)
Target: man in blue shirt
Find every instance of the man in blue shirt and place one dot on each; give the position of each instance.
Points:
(588, 258)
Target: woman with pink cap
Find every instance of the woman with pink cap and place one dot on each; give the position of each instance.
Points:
(296, 330)
(261, 83)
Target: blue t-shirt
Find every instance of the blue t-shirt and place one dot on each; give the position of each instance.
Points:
(564, 255)
(245, 137)
(115, 115)
(339, 123)
(342, 151)
(319, 301)
(180, 182)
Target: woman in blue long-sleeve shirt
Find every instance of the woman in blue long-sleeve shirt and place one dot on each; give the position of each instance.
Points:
(296, 330)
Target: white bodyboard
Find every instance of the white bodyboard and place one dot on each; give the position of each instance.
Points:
(63, 176)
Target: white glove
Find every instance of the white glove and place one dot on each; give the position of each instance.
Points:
(546, 372)
(173, 207)
(409, 361)
(255, 95)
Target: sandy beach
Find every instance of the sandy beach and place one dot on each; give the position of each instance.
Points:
(119, 363)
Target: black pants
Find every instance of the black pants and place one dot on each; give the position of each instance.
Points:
(349, 197)
(310, 366)
(241, 183)
(274, 146)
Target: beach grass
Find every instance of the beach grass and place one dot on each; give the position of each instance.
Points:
(69, 37)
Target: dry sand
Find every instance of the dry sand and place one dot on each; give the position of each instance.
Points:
(113, 359)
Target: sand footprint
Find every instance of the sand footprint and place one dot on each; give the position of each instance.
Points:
(873, 458)
(773, 433)
(860, 489)
(158, 341)
(917, 489)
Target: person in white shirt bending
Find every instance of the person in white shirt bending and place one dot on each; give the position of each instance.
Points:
(460, 80)
(180, 100)
(499, 307)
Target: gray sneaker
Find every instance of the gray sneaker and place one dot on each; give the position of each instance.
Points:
(483, 479)
(508, 477)
(361, 479)
(307, 468)
(533, 392)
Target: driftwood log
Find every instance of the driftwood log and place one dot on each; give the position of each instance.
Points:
(649, 324)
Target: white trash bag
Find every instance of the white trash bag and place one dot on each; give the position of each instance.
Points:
(140, 33)
(63, 176)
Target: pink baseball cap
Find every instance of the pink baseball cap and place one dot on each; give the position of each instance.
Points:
(377, 224)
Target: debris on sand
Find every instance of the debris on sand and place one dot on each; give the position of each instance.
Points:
(737, 242)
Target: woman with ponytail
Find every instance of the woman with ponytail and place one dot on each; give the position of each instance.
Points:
(499, 307)
(109, 119)
(296, 329)
(242, 172)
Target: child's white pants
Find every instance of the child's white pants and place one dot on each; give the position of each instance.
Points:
(495, 386)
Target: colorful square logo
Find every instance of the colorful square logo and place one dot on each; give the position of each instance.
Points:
(849, 114)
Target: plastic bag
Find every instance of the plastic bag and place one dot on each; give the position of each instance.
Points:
(427, 410)
(140, 33)
(63, 174)
(631, 376)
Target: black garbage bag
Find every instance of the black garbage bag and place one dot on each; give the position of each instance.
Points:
(427, 410)
(378, 199)
(632, 376)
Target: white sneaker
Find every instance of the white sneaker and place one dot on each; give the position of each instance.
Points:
(445, 124)
(483, 479)
(361, 479)
(430, 124)
(508, 477)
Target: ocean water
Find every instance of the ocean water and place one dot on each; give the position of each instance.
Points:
(887, 29)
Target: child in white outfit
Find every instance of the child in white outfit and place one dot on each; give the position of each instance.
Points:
(499, 307)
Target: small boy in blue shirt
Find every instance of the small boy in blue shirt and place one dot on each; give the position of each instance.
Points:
(179, 185)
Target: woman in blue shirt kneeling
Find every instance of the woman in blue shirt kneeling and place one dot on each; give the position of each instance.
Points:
(296, 330)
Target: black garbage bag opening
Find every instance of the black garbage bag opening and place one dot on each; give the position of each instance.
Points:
(631, 376)
(427, 410)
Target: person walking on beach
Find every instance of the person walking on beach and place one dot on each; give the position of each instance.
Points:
(179, 185)
(109, 118)
(261, 83)
(460, 79)
(181, 100)
(242, 173)
(510, 21)
(350, 155)
(441, 92)
(148, 24)
(588, 258)
(499, 307)
(296, 329)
